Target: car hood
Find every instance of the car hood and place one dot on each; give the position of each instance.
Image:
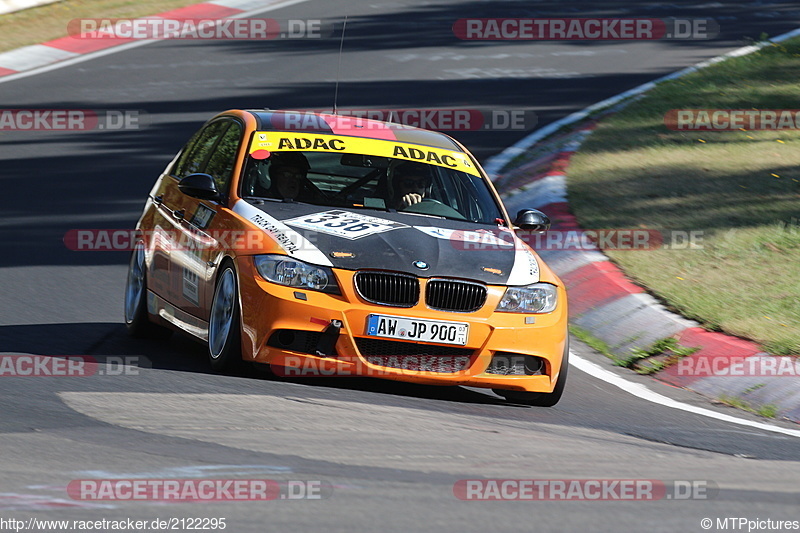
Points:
(369, 239)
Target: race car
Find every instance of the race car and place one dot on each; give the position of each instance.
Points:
(325, 245)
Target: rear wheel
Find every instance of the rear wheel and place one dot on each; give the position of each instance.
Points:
(224, 325)
(541, 399)
(136, 318)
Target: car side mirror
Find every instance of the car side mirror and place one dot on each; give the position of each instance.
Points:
(200, 186)
(532, 219)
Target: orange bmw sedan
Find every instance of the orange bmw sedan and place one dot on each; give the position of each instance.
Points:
(326, 245)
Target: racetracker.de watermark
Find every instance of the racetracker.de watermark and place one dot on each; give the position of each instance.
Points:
(585, 29)
(738, 366)
(198, 28)
(191, 239)
(71, 119)
(439, 119)
(732, 119)
(29, 365)
(198, 490)
(583, 490)
(636, 239)
(385, 365)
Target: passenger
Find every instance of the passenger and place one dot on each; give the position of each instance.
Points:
(287, 172)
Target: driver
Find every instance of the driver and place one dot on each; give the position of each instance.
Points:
(410, 183)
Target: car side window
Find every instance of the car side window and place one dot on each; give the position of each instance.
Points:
(197, 152)
(220, 164)
(180, 163)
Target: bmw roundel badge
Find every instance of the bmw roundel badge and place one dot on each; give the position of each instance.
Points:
(422, 265)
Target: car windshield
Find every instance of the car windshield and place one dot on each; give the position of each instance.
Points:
(360, 181)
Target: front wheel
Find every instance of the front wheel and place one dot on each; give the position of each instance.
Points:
(136, 319)
(541, 399)
(224, 325)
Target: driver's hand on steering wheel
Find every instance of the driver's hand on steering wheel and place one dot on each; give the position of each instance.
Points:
(410, 199)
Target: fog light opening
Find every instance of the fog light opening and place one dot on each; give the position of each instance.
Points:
(514, 364)
(286, 337)
(533, 365)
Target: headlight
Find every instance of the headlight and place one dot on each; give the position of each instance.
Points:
(284, 270)
(536, 298)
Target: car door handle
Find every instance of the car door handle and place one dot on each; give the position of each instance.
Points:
(178, 214)
(158, 200)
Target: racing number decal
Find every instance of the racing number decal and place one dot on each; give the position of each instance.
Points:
(191, 278)
(344, 224)
(335, 220)
(202, 217)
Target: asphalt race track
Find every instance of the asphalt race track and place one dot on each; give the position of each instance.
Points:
(387, 454)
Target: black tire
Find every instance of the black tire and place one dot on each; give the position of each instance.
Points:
(541, 399)
(224, 323)
(135, 306)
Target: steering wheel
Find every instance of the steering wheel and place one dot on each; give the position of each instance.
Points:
(431, 206)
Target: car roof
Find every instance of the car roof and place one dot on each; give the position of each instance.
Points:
(310, 122)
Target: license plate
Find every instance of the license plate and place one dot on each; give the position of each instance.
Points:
(417, 329)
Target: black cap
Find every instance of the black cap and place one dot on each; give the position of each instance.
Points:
(289, 159)
(411, 168)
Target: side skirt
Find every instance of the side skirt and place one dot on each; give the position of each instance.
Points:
(182, 320)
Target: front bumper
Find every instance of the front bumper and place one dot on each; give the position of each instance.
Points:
(269, 311)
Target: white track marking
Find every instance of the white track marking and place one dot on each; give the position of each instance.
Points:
(123, 47)
(640, 391)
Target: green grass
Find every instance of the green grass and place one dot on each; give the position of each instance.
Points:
(754, 388)
(593, 342)
(40, 24)
(740, 190)
(660, 355)
(768, 411)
